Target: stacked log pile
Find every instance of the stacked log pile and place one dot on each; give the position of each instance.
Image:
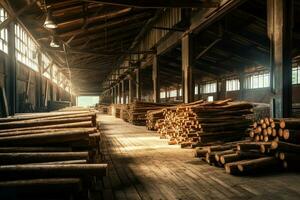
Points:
(136, 111)
(51, 151)
(274, 145)
(103, 108)
(200, 122)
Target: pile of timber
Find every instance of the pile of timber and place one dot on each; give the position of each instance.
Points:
(57, 153)
(116, 110)
(274, 145)
(103, 108)
(200, 122)
(137, 111)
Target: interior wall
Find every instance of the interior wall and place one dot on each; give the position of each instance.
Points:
(22, 81)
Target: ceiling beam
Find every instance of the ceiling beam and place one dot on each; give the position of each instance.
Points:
(101, 53)
(105, 25)
(161, 4)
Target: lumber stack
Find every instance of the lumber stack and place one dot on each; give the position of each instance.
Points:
(103, 108)
(57, 151)
(273, 145)
(137, 111)
(200, 122)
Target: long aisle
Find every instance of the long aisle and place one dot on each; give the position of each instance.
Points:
(142, 166)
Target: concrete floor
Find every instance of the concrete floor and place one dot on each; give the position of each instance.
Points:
(142, 166)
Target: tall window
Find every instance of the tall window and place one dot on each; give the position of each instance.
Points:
(55, 74)
(232, 85)
(173, 93)
(46, 66)
(208, 88)
(196, 89)
(296, 75)
(26, 49)
(3, 32)
(162, 94)
(259, 80)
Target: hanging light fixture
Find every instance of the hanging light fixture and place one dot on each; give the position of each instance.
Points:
(54, 42)
(49, 22)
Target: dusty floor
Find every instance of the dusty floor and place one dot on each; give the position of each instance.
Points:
(142, 166)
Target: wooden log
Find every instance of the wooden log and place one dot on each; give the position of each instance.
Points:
(58, 170)
(258, 164)
(200, 152)
(43, 138)
(58, 182)
(21, 158)
(32, 116)
(292, 136)
(66, 162)
(221, 147)
(285, 147)
(14, 133)
(23, 124)
(55, 126)
(290, 123)
(34, 149)
(219, 154)
(231, 168)
(239, 156)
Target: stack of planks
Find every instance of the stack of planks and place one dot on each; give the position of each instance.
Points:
(136, 111)
(274, 145)
(56, 151)
(202, 122)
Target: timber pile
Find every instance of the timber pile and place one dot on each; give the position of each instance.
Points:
(137, 111)
(274, 145)
(56, 151)
(200, 122)
(103, 108)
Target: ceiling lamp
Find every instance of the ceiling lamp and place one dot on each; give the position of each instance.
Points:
(54, 42)
(49, 22)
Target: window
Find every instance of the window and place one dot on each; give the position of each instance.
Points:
(210, 98)
(180, 92)
(296, 75)
(26, 49)
(163, 95)
(87, 101)
(46, 66)
(196, 89)
(208, 88)
(232, 85)
(55, 74)
(260, 80)
(173, 93)
(3, 32)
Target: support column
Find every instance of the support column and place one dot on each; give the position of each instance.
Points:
(115, 95)
(155, 78)
(130, 92)
(11, 81)
(242, 85)
(138, 85)
(123, 92)
(119, 94)
(188, 85)
(280, 20)
(111, 95)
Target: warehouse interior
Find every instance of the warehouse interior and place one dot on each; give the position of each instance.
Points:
(149, 99)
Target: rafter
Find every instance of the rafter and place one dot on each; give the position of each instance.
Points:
(162, 4)
(105, 25)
